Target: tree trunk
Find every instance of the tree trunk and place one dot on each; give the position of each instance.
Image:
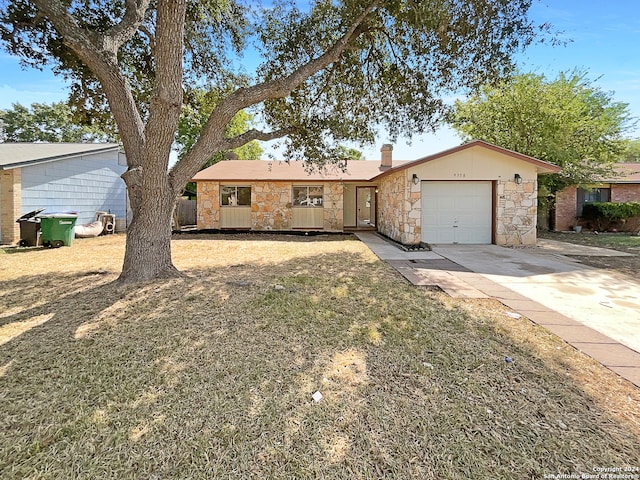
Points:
(153, 196)
(148, 251)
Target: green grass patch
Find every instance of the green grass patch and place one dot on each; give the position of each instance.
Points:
(625, 242)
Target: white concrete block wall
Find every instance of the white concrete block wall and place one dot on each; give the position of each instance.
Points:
(84, 184)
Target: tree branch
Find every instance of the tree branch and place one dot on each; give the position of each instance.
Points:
(212, 133)
(250, 135)
(92, 50)
(131, 21)
(281, 87)
(166, 101)
(151, 37)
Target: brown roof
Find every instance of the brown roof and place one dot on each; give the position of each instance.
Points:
(276, 170)
(356, 171)
(627, 173)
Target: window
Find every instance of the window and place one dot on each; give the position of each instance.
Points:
(308, 196)
(597, 195)
(235, 196)
(592, 195)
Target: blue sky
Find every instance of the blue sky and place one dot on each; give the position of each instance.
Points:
(604, 40)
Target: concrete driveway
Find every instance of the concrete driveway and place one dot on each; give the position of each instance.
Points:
(595, 310)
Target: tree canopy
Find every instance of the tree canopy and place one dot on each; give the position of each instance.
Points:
(567, 121)
(632, 152)
(315, 75)
(41, 122)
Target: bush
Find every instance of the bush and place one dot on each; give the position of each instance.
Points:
(609, 215)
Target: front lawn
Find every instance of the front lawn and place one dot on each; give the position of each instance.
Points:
(212, 376)
(625, 242)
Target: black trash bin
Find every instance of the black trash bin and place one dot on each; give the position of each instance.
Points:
(29, 228)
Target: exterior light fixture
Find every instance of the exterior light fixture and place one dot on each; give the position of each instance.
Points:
(415, 179)
(517, 178)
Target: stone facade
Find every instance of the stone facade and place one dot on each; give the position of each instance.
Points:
(398, 201)
(208, 205)
(333, 207)
(11, 201)
(399, 209)
(516, 213)
(625, 192)
(271, 206)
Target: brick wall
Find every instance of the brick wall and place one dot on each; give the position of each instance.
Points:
(565, 217)
(566, 200)
(11, 201)
(625, 192)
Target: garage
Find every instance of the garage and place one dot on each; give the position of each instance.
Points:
(457, 212)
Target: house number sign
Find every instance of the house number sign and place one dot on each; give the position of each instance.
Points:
(459, 175)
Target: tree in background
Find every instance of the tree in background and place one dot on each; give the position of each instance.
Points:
(567, 121)
(198, 105)
(48, 123)
(632, 152)
(325, 73)
(349, 153)
(196, 110)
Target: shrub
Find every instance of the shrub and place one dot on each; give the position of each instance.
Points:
(609, 215)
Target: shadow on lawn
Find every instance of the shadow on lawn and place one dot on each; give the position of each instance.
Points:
(212, 376)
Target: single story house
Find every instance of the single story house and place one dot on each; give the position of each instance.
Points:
(620, 188)
(476, 193)
(59, 177)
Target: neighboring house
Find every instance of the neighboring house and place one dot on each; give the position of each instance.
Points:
(59, 177)
(476, 193)
(624, 187)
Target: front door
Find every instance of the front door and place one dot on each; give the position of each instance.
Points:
(366, 207)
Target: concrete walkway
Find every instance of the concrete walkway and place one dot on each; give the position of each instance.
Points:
(596, 311)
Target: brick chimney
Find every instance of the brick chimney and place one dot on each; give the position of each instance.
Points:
(386, 156)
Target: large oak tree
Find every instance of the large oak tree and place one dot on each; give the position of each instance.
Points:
(317, 75)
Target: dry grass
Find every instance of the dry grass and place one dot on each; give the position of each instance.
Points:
(212, 376)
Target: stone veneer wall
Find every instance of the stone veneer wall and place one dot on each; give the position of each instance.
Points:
(333, 203)
(516, 213)
(565, 216)
(399, 209)
(208, 205)
(11, 201)
(271, 206)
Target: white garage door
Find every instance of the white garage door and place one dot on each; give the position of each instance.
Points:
(456, 212)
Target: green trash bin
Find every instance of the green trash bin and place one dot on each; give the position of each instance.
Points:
(57, 229)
